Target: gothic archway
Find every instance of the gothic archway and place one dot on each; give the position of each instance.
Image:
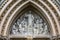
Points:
(28, 18)
(51, 14)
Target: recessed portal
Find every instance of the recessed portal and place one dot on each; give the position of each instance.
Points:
(30, 24)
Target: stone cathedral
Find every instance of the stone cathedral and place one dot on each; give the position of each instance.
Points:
(29, 19)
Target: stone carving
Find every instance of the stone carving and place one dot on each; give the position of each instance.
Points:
(30, 24)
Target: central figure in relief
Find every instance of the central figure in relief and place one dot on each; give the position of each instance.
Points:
(29, 24)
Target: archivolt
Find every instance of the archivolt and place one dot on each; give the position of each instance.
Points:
(10, 10)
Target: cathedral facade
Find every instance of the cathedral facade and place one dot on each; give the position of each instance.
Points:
(29, 19)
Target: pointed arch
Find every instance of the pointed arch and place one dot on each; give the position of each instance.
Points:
(21, 7)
